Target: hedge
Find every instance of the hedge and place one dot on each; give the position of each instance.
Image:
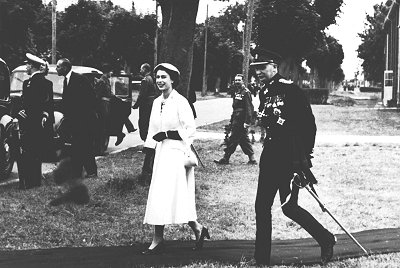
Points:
(370, 89)
(317, 95)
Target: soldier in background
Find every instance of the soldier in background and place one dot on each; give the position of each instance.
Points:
(148, 92)
(240, 121)
(290, 126)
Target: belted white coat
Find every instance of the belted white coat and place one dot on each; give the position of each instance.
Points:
(171, 198)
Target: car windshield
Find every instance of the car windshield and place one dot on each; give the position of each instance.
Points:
(17, 78)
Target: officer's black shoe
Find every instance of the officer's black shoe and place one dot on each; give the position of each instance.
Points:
(327, 250)
(252, 160)
(222, 161)
(120, 138)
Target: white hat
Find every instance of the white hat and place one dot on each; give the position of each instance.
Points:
(34, 59)
(167, 66)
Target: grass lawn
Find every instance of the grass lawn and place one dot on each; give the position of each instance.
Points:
(358, 184)
(345, 121)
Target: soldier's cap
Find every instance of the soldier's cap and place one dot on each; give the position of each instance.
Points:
(264, 57)
(167, 66)
(30, 58)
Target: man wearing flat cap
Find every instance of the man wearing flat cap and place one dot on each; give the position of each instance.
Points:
(290, 135)
(36, 115)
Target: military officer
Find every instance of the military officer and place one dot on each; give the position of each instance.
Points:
(36, 114)
(290, 135)
(240, 121)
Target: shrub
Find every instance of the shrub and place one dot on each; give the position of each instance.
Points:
(317, 95)
(370, 89)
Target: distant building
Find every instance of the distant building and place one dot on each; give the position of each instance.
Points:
(391, 82)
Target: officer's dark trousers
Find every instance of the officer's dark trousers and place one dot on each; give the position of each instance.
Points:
(275, 175)
(239, 137)
(29, 161)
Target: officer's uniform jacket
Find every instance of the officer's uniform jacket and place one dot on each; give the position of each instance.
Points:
(242, 107)
(287, 115)
(37, 101)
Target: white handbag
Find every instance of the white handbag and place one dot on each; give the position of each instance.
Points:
(190, 159)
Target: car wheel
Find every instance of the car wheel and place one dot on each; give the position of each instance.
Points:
(7, 158)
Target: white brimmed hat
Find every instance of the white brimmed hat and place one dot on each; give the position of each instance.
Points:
(167, 66)
(35, 59)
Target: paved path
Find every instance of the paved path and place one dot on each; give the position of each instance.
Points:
(179, 253)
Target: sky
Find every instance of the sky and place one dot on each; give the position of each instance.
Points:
(348, 25)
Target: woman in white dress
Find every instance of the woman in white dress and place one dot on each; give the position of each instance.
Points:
(171, 197)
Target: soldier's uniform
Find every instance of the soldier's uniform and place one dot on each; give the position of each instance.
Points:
(290, 135)
(242, 113)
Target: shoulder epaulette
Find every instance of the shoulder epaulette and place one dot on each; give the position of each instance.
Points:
(284, 81)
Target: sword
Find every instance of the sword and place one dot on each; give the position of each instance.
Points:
(197, 155)
(303, 183)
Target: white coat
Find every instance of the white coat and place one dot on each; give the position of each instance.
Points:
(171, 196)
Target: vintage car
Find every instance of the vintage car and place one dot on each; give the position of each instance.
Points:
(7, 152)
(120, 105)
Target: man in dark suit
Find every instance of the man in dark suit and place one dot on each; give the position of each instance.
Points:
(36, 115)
(148, 92)
(79, 108)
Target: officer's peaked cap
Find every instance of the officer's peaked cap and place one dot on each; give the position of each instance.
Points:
(167, 66)
(263, 57)
(34, 59)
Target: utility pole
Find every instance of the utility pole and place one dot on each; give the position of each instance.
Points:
(246, 49)
(54, 32)
(156, 38)
(204, 89)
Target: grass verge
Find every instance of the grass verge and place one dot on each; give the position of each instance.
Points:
(344, 121)
(354, 183)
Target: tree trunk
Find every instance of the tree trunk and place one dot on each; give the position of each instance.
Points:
(289, 70)
(178, 24)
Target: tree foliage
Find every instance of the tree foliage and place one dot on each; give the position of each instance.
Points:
(224, 54)
(81, 31)
(17, 36)
(294, 29)
(327, 59)
(371, 50)
(88, 32)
